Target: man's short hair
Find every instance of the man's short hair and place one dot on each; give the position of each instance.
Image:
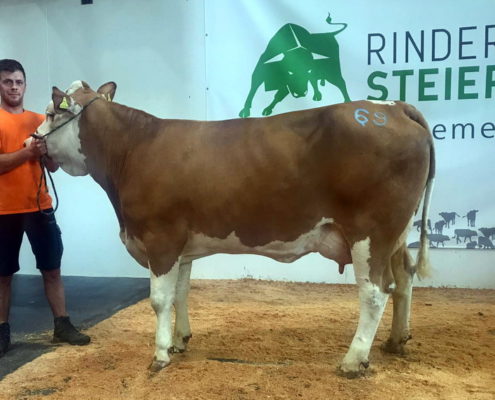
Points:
(11, 66)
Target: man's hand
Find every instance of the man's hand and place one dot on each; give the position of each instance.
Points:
(36, 147)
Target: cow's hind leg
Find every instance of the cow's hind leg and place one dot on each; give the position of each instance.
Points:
(402, 269)
(339, 82)
(372, 303)
(162, 295)
(182, 331)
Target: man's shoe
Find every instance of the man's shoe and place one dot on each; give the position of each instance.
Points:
(66, 332)
(4, 338)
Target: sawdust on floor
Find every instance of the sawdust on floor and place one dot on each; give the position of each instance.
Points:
(275, 340)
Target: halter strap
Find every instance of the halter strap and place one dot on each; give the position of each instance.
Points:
(36, 135)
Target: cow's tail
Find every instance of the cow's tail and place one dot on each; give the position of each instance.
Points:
(423, 267)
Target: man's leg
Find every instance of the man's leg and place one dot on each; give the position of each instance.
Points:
(46, 243)
(5, 295)
(54, 291)
(64, 330)
(11, 233)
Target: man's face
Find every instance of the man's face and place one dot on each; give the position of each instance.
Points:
(12, 88)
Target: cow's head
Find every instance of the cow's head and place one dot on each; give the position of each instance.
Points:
(61, 126)
(296, 69)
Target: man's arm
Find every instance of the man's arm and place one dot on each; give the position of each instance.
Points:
(34, 150)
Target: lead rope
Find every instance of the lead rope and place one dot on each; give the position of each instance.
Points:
(43, 179)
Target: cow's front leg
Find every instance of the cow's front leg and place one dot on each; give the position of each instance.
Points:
(182, 331)
(317, 94)
(256, 81)
(279, 96)
(162, 295)
(372, 303)
(403, 274)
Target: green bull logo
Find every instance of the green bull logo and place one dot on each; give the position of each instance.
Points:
(295, 58)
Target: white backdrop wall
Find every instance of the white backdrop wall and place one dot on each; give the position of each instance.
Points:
(194, 59)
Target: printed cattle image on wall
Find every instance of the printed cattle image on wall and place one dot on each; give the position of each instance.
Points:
(293, 58)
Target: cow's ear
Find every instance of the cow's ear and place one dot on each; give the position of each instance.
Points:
(107, 90)
(60, 100)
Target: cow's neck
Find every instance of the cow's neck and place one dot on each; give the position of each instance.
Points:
(108, 135)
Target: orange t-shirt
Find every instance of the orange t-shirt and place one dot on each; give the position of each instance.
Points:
(19, 186)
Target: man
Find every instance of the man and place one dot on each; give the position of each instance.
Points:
(20, 207)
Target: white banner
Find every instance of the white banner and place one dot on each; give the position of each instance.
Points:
(268, 57)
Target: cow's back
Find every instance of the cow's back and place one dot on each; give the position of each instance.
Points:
(282, 173)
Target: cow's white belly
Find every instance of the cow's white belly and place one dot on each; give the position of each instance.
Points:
(317, 239)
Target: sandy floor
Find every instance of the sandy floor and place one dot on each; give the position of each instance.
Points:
(275, 340)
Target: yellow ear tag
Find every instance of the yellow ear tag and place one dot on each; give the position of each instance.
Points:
(64, 105)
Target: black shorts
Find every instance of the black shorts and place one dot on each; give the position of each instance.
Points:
(43, 233)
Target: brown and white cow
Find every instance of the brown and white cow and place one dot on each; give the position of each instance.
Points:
(343, 181)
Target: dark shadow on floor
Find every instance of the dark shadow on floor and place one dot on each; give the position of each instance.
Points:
(89, 301)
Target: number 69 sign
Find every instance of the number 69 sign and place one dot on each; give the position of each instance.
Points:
(362, 117)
